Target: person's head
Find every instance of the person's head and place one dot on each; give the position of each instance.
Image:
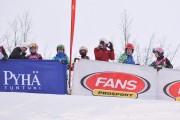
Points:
(24, 47)
(158, 52)
(103, 43)
(33, 48)
(129, 49)
(60, 48)
(83, 51)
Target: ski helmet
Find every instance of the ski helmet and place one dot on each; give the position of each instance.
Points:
(159, 50)
(60, 47)
(83, 48)
(33, 45)
(129, 46)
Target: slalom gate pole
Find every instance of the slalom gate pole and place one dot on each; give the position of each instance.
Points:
(73, 11)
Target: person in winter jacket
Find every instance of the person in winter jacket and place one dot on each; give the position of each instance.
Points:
(33, 48)
(19, 52)
(61, 55)
(102, 53)
(161, 61)
(3, 54)
(83, 54)
(127, 57)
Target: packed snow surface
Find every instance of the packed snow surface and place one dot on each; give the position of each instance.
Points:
(26, 106)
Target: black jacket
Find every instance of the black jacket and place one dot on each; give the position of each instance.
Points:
(164, 62)
(17, 54)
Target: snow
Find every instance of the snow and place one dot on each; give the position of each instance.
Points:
(27, 106)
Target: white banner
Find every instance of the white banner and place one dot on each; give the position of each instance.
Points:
(169, 84)
(112, 79)
(97, 78)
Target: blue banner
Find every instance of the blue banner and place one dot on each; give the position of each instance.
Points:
(33, 76)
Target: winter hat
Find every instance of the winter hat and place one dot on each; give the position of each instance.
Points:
(25, 45)
(104, 40)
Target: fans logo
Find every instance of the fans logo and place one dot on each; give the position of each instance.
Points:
(115, 84)
(173, 90)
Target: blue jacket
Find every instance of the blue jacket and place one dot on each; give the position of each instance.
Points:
(127, 59)
(62, 57)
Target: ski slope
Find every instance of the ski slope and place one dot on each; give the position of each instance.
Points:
(24, 106)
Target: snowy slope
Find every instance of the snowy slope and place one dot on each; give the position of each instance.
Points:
(22, 106)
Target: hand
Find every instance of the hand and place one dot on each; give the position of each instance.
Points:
(159, 67)
(68, 67)
(100, 46)
(63, 61)
(4, 58)
(76, 59)
(110, 46)
(23, 53)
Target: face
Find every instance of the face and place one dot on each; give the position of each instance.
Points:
(156, 54)
(129, 51)
(103, 44)
(83, 52)
(33, 49)
(23, 49)
(60, 50)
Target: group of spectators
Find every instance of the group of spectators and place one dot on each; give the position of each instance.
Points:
(103, 52)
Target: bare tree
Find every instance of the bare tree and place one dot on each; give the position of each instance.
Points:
(14, 35)
(3, 37)
(46, 54)
(172, 56)
(25, 26)
(125, 27)
(19, 31)
(143, 55)
(148, 50)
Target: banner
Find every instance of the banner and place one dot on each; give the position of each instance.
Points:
(115, 80)
(169, 87)
(33, 76)
(98, 78)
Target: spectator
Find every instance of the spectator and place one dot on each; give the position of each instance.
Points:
(102, 53)
(33, 48)
(19, 52)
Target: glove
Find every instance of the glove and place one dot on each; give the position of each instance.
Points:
(76, 59)
(68, 67)
(4, 58)
(110, 46)
(158, 67)
(63, 61)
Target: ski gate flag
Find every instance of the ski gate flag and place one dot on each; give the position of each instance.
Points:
(32, 76)
(73, 13)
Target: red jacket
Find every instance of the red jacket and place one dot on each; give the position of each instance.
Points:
(103, 54)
